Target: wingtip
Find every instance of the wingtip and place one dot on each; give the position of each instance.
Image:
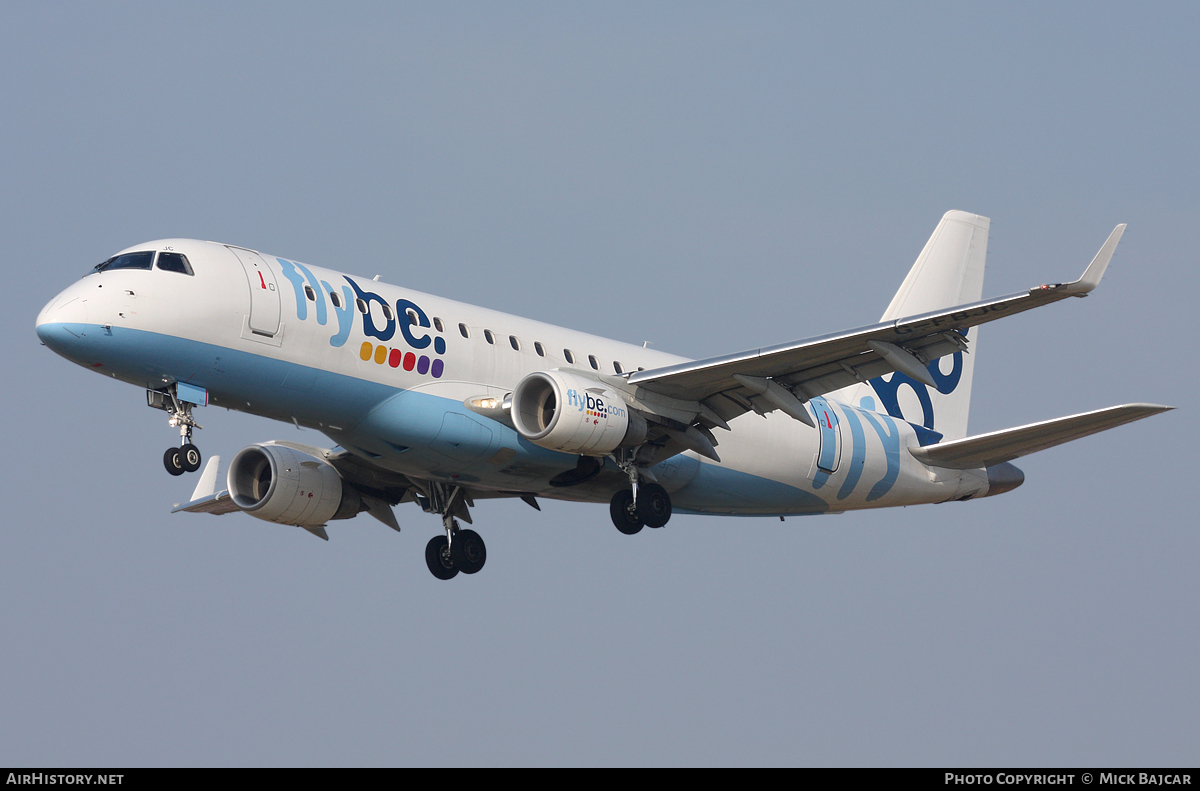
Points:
(1152, 409)
(1095, 270)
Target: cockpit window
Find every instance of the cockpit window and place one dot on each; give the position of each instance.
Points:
(143, 259)
(174, 262)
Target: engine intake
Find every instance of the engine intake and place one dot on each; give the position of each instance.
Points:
(284, 485)
(567, 413)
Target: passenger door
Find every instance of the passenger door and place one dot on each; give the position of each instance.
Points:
(264, 293)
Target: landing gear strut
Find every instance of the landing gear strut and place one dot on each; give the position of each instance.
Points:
(643, 504)
(185, 458)
(459, 549)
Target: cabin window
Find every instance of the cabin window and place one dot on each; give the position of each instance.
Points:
(617, 367)
(174, 262)
(541, 350)
(513, 342)
(412, 317)
(335, 299)
(488, 336)
(387, 312)
(308, 292)
(362, 305)
(462, 329)
(569, 357)
(592, 360)
(437, 324)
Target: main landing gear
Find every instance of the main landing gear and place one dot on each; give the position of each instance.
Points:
(185, 458)
(643, 504)
(459, 549)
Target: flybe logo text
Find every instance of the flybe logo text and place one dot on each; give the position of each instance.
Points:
(379, 320)
(593, 404)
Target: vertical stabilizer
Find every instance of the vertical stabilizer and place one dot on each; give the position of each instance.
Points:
(948, 272)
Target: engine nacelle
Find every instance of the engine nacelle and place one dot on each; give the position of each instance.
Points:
(284, 485)
(574, 415)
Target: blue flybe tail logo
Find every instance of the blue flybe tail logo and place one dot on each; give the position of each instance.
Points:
(888, 390)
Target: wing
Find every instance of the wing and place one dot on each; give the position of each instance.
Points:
(784, 376)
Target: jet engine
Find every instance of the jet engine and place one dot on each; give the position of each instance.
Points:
(280, 484)
(571, 414)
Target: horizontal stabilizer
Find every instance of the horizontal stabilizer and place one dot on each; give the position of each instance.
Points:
(207, 484)
(995, 447)
(205, 498)
(218, 503)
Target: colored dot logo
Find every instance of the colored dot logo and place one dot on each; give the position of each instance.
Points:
(398, 359)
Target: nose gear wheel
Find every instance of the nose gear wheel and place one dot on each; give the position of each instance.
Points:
(189, 456)
(173, 461)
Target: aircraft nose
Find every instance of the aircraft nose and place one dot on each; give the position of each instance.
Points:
(70, 306)
(61, 323)
(46, 315)
(63, 308)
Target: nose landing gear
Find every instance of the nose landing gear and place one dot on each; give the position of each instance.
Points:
(185, 458)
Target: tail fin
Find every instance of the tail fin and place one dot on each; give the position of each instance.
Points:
(948, 272)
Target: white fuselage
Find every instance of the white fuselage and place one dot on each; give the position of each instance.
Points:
(284, 340)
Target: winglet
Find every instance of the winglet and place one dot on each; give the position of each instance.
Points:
(1095, 271)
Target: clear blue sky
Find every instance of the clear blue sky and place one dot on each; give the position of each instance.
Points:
(708, 177)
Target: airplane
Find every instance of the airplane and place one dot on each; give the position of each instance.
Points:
(442, 404)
